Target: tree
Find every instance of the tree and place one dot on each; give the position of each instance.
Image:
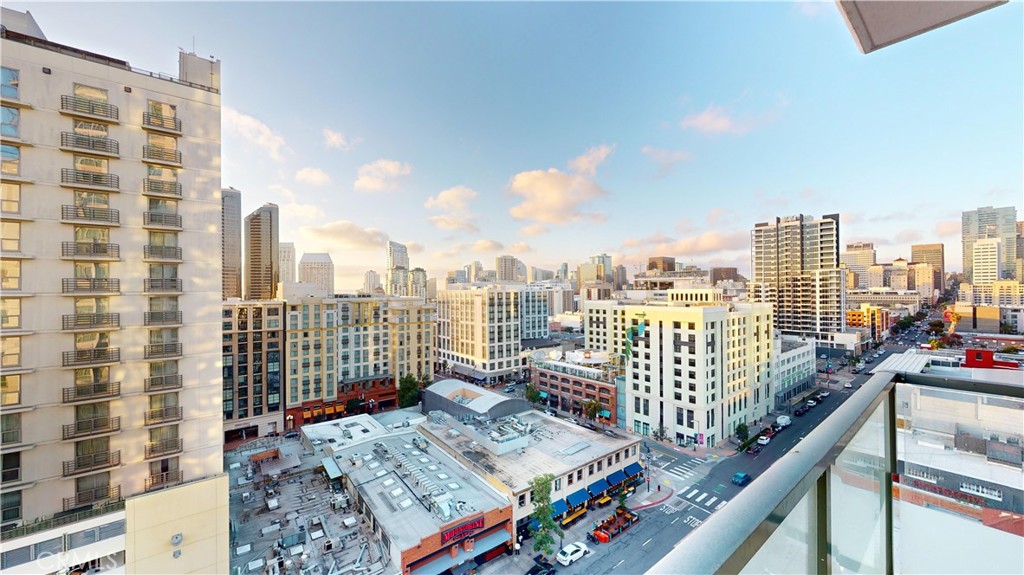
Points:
(1006, 329)
(660, 433)
(408, 391)
(444, 366)
(742, 432)
(353, 406)
(937, 326)
(532, 395)
(591, 408)
(622, 497)
(546, 531)
(1010, 349)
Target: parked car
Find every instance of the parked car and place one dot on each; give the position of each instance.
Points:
(573, 420)
(291, 435)
(800, 411)
(811, 403)
(551, 412)
(784, 421)
(764, 440)
(542, 569)
(741, 479)
(824, 356)
(848, 385)
(754, 449)
(572, 553)
(776, 428)
(824, 393)
(510, 389)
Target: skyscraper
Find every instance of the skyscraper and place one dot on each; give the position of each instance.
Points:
(262, 253)
(111, 377)
(287, 259)
(858, 257)
(987, 260)
(606, 261)
(989, 222)
(397, 273)
(505, 266)
(934, 254)
(795, 264)
(318, 269)
(231, 242)
(371, 282)
(417, 283)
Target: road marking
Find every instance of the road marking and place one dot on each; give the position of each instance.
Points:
(710, 501)
(721, 505)
(619, 563)
(646, 542)
(692, 493)
(674, 521)
(701, 498)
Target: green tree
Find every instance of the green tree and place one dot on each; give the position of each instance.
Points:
(547, 529)
(408, 391)
(532, 395)
(591, 408)
(1010, 349)
(742, 432)
(622, 497)
(936, 327)
(660, 433)
(444, 366)
(353, 406)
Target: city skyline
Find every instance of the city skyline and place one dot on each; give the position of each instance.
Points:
(436, 126)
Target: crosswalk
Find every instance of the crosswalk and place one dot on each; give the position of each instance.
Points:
(684, 469)
(704, 500)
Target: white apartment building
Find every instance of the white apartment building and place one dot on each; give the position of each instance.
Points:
(417, 283)
(989, 223)
(371, 282)
(397, 272)
(695, 365)
(111, 376)
(535, 309)
(1002, 293)
(317, 269)
(505, 267)
(858, 257)
(793, 369)
(287, 259)
(479, 330)
(988, 260)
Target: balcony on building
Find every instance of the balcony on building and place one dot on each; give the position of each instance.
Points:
(92, 462)
(78, 214)
(161, 480)
(164, 447)
(88, 357)
(163, 383)
(162, 318)
(93, 496)
(90, 251)
(91, 285)
(160, 123)
(161, 220)
(90, 321)
(918, 471)
(72, 178)
(92, 426)
(164, 415)
(163, 350)
(161, 285)
(95, 145)
(161, 188)
(163, 253)
(91, 392)
(86, 108)
(162, 156)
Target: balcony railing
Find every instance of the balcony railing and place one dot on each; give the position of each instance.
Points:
(92, 462)
(164, 415)
(161, 219)
(159, 350)
(89, 143)
(166, 123)
(163, 317)
(79, 105)
(162, 252)
(164, 447)
(90, 250)
(161, 188)
(82, 178)
(161, 285)
(83, 357)
(94, 426)
(156, 153)
(163, 479)
(91, 285)
(91, 391)
(91, 496)
(85, 214)
(913, 473)
(91, 320)
(163, 382)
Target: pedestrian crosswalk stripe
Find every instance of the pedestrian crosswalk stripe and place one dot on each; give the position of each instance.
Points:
(679, 473)
(701, 498)
(710, 501)
(721, 505)
(692, 493)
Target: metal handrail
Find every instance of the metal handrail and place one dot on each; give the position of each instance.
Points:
(92, 461)
(87, 249)
(162, 317)
(84, 178)
(161, 154)
(91, 143)
(163, 382)
(151, 186)
(80, 105)
(90, 285)
(161, 219)
(157, 350)
(90, 320)
(164, 414)
(161, 121)
(103, 215)
(162, 252)
(161, 284)
(91, 391)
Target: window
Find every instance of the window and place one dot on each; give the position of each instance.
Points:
(10, 313)
(558, 484)
(10, 274)
(10, 120)
(10, 501)
(10, 389)
(10, 198)
(9, 85)
(166, 303)
(10, 160)
(92, 341)
(91, 164)
(89, 128)
(92, 235)
(162, 206)
(90, 93)
(163, 400)
(92, 270)
(163, 271)
(92, 199)
(161, 141)
(92, 375)
(570, 481)
(522, 500)
(10, 351)
(169, 239)
(166, 335)
(162, 109)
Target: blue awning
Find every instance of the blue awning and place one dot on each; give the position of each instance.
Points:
(543, 395)
(616, 478)
(560, 507)
(605, 413)
(599, 486)
(446, 561)
(578, 498)
(634, 469)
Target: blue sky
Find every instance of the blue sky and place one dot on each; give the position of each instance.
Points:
(558, 131)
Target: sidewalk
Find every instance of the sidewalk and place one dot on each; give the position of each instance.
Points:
(652, 499)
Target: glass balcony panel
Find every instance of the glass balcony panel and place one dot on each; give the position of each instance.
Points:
(791, 548)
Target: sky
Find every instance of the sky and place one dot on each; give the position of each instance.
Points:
(558, 131)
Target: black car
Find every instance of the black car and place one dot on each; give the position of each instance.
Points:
(546, 569)
(754, 449)
(776, 427)
(800, 411)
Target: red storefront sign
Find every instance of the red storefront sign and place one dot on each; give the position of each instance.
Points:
(460, 531)
(945, 492)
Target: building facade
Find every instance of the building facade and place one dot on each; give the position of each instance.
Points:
(317, 269)
(231, 242)
(262, 253)
(252, 336)
(875, 319)
(934, 255)
(579, 377)
(990, 223)
(505, 267)
(535, 309)
(987, 261)
(371, 282)
(479, 330)
(110, 379)
(858, 257)
(311, 332)
(287, 252)
(397, 272)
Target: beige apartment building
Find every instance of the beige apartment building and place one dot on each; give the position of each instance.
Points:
(111, 292)
(479, 330)
(310, 352)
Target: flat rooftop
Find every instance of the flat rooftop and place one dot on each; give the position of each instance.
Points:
(554, 446)
(413, 487)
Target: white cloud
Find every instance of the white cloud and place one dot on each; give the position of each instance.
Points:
(481, 246)
(717, 216)
(715, 120)
(252, 130)
(666, 159)
(381, 175)
(337, 140)
(948, 228)
(908, 236)
(520, 248)
(552, 196)
(414, 247)
(533, 230)
(292, 210)
(312, 176)
(453, 223)
(706, 243)
(452, 200)
(587, 163)
(345, 234)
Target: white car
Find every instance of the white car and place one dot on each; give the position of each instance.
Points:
(571, 553)
(784, 421)
(848, 385)
(823, 356)
(824, 394)
(763, 440)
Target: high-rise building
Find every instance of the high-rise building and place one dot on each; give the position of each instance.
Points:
(988, 223)
(858, 257)
(661, 263)
(795, 264)
(318, 269)
(287, 260)
(479, 330)
(934, 254)
(231, 242)
(253, 337)
(371, 282)
(589, 272)
(619, 277)
(505, 266)
(534, 309)
(397, 273)
(606, 264)
(563, 271)
(417, 283)
(988, 260)
(262, 253)
(111, 388)
(724, 275)
(311, 328)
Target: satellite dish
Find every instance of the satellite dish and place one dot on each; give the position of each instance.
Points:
(538, 355)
